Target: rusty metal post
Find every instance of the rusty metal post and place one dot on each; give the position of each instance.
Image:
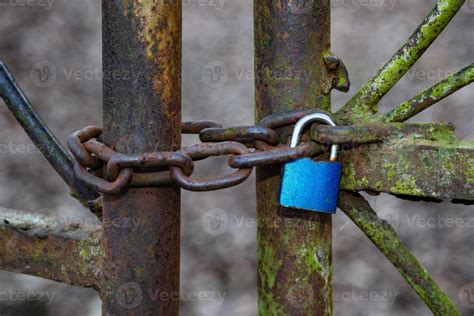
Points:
(294, 247)
(142, 113)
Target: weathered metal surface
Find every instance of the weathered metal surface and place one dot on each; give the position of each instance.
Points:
(195, 127)
(337, 76)
(205, 150)
(418, 160)
(377, 132)
(75, 144)
(40, 134)
(293, 247)
(364, 103)
(43, 246)
(386, 240)
(434, 169)
(118, 186)
(240, 134)
(431, 96)
(142, 115)
(275, 156)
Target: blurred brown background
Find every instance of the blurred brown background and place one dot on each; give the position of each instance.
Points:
(220, 265)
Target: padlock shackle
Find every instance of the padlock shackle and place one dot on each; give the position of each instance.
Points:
(311, 118)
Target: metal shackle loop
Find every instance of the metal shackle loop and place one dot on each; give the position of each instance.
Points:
(315, 117)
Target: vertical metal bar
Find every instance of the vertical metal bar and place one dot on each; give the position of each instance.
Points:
(294, 247)
(142, 113)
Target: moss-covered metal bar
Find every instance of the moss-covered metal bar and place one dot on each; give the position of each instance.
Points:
(418, 160)
(46, 247)
(385, 238)
(374, 132)
(431, 96)
(365, 101)
(292, 39)
(412, 168)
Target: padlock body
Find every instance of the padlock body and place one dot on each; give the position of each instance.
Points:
(311, 185)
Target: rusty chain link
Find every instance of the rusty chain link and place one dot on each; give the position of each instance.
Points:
(110, 172)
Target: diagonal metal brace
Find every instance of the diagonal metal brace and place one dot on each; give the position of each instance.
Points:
(40, 134)
(386, 240)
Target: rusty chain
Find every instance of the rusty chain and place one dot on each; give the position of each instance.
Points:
(110, 172)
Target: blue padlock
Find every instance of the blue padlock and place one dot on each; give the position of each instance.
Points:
(311, 185)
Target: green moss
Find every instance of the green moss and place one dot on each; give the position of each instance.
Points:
(306, 257)
(269, 306)
(386, 239)
(406, 186)
(269, 264)
(91, 248)
(39, 258)
(268, 269)
(365, 101)
(470, 173)
(349, 178)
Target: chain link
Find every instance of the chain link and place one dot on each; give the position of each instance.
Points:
(111, 172)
